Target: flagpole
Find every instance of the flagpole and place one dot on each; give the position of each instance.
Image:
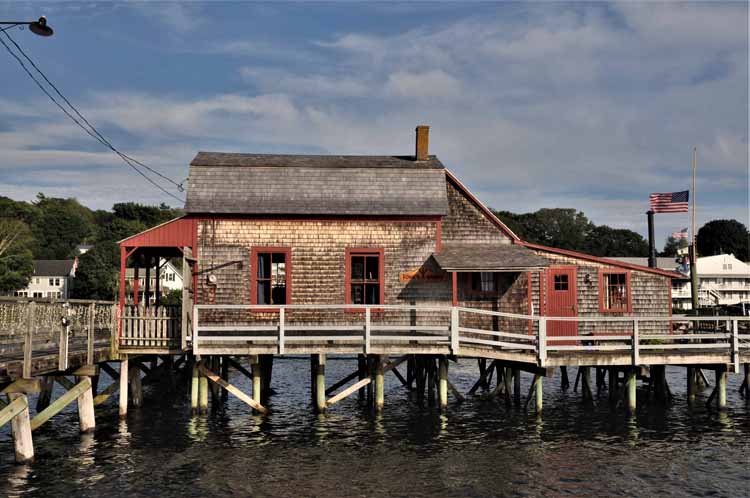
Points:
(692, 249)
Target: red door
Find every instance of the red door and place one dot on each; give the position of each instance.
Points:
(561, 301)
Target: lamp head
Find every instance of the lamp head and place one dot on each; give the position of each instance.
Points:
(40, 27)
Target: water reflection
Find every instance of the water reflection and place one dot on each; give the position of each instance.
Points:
(477, 448)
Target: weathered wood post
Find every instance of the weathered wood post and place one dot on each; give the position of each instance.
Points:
(224, 375)
(564, 381)
(257, 378)
(517, 387)
(507, 379)
(28, 341)
(631, 383)
(320, 384)
(379, 384)
(692, 385)
(124, 386)
(136, 389)
(721, 386)
(47, 383)
(362, 374)
(194, 389)
(86, 416)
(431, 381)
(612, 385)
(443, 379)
(202, 392)
(21, 427)
(588, 397)
(539, 392)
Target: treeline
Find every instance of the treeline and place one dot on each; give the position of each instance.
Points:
(52, 228)
(570, 229)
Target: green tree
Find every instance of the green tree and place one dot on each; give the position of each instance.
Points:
(16, 259)
(606, 241)
(724, 237)
(96, 275)
(62, 224)
(672, 245)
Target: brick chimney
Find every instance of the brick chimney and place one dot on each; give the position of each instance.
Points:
(423, 142)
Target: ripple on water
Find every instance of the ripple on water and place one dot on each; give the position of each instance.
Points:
(479, 448)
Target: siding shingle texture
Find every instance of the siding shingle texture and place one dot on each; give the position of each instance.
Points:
(316, 185)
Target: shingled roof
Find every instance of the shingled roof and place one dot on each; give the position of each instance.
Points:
(488, 257)
(53, 267)
(230, 183)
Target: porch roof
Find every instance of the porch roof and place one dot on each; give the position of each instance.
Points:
(461, 257)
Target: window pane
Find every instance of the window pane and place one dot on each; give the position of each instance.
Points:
(371, 269)
(561, 282)
(372, 294)
(278, 266)
(278, 295)
(358, 294)
(488, 281)
(615, 291)
(264, 265)
(264, 292)
(358, 267)
(476, 281)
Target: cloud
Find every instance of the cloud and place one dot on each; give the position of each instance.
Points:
(435, 83)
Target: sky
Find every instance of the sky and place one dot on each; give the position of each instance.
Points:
(589, 106)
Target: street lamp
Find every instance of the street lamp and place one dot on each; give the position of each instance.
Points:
(38, 27)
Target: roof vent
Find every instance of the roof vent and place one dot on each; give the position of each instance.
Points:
(423, 141)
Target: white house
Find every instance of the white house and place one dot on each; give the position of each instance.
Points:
(170, 279)
(51, 279)
(722, 280)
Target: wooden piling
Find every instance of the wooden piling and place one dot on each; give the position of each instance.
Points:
(443, 381)
(721, 385)
(588, 397)
(379, 383)
(564, 381)
(517, 386)
(692, 385)
(136, 388)
(124, 376)
(631, 382)
(612, 391)
(538, 390)
(361, 375)
(45, 394)
(86, 417)
(507, 379)
(202, 391)
(21, 427)
(194, 389)
(320, 384)
(257, 379)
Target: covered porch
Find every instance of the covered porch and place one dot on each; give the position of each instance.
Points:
(147, 324)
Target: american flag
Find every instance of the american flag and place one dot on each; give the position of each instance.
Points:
(670, 202)
(682, 234)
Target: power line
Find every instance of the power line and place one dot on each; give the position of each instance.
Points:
(91, 130)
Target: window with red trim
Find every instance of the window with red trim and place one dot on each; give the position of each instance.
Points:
(364, 276)
(614, 291)
(271, 276)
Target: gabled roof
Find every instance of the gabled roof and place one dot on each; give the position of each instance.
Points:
(488, 257)
(54, 267)
(663, 263)
(597, 259)
(221, 183)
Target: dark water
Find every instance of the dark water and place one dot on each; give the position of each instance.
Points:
(479, 448)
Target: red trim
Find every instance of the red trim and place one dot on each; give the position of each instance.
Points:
(529, 297)
(606, 271)
(357, 251)
(553, 328)
(136, 285)
(494, 219)
(542, 293)
(454, 280)
(287, 251)
(123, 264)
(438, 236)
(597, 259)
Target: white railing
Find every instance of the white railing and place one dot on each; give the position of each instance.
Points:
(455, 329)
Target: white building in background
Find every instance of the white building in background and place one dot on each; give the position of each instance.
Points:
(722, 280)
(51, 279)
(170, 279)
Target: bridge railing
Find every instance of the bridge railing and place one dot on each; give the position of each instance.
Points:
(49, 333)
(151, 328)
(455, 328)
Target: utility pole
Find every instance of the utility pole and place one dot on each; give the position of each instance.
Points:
(692, 249)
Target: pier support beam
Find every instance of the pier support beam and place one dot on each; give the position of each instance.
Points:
(202, 391)
(136, 388)
(588, 397)
(539, 392)
(517, 387)
(124, 387)
(86, 416)
(320, 383)
(443, 382)
(721, 386)
(379, 383)
(631, 385)
(18, 410)
(47, 383)
(692, 385)
(194, 389)
(257, 378)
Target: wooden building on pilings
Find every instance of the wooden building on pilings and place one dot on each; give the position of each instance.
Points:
(373, 255)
